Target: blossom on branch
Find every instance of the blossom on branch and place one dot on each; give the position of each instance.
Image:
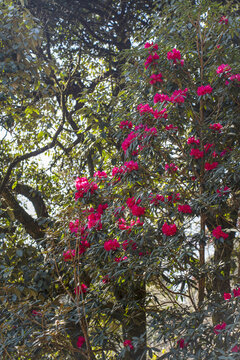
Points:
(169, 230)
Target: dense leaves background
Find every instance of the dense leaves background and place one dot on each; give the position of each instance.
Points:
(70, 74)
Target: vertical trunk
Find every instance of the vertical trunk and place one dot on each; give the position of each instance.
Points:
(222, 256)
(134, 323)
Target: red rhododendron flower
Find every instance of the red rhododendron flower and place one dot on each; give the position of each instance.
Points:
(224, 68)
(193, 140)
(236, 292)
(74, 227)
(69, 255)
(130, 138)
(207, 147)
(218, 233)
(80, 341)
(81, 289)
(130, 166)
(150, 59)
(111, 245)
(132, 201)
(236, 349)
(185, 209)
(138, 210)
(216, 127)
(196, 153)
(126, 124)
(223, 20)
(120, 259)
(219, 327)
(160, 98)
(173, 198)
(150, 45)
(106, 279)
(94, 219)
(83, 186)
(128, 343)
(227, 296)
(160, 114)
(156, 199)
(122, 225)
(169, 230)
(182, 343)
(223, 191)
(234, 77)
(154, 78)
(209, 166)
(84, 245)
(202, 90)
(100, 174)
(145, 109)
(178, 96)
(174, 55)
(171, 167)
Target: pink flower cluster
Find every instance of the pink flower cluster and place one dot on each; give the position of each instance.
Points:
(228, 296)
(216, 127)
(236, 349)
(185, 209)
(202, 90)
(120, 259)
(94, 219)
(100, 174)
(128, 343)
(181, 343)
(169, 230)
(193, 140)
(83, 186)
(171, 167)
(74, 227)
(160, 198)
(80, 341)
(218, 328)
(224, 69)
(127, 142)
(111, 245)
(122, 224)
(81, 289)
(196, 153)
(126, 124)
(208, 166)
(69, 255)
(143, 109)
(151, 45)
(150, 60)
(175, 56)
(178, 97)
(132, 204)
(218, 233)
(156, 199)
(154, 78)
(223, 20)
(223, 191)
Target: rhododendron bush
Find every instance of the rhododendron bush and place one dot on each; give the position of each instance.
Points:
(147, 260)
(152, 290)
